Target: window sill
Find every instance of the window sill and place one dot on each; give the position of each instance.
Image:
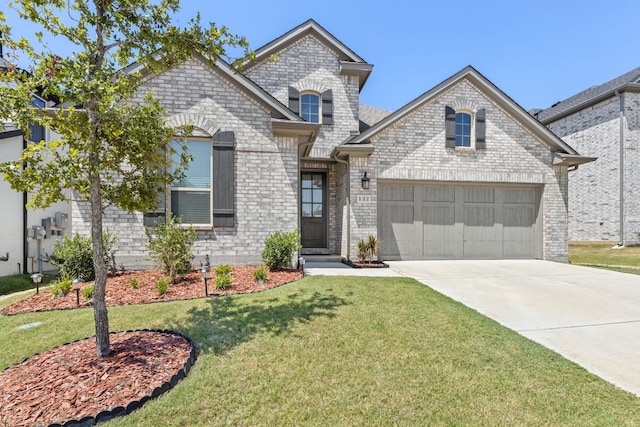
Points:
(465, 149)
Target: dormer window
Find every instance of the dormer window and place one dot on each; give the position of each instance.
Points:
(310, 107)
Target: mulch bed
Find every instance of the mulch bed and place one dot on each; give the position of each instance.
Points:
(71, 383)
(120, 291)
(365, 264)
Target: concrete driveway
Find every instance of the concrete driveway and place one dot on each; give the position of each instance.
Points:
(588, 315)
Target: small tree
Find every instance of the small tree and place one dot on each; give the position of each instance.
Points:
(279, 248)
(112, 150)
(170, 246)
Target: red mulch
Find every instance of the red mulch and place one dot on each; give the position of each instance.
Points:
(120, 292)
(71, 382)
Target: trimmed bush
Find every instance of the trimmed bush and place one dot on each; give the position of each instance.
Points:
(88, 292)
(170, 246)
(222, 269)
(61, 288)
(279, 247)
(162, 285)
(74, 256)
(260, 274)
(222, 281)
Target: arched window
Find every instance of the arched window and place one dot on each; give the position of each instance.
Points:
(463, 130)
(310, 107)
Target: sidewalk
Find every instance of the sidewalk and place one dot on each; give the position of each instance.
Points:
(340, 269)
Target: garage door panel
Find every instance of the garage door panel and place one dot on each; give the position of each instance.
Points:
(440, 238)
(453, 221)
(398, 230)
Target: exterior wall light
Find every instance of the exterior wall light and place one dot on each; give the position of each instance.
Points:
(365, 181)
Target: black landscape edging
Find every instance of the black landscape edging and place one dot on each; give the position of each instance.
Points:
(120, 411)
(377, 264)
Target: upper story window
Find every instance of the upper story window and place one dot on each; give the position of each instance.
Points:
(465, 129)
(314, 107)
(310, 107)
(37, 133)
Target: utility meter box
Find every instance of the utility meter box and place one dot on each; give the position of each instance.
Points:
(37, 232)
(62, 220)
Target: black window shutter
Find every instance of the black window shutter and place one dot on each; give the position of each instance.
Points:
(450, 127)
(294, 100)
(223, 179)
(481, 129)
(327, 107)
(37, 132)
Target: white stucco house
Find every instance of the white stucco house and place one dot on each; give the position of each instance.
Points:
(460, 172)
(27, 236)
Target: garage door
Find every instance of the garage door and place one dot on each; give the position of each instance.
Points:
(446, 221)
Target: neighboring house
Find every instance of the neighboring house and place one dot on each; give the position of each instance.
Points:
(460, 172)
(604, 122)
(27, 235)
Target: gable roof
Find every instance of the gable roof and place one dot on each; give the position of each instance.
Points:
(351, 63)
(565, 154)
(595, 94)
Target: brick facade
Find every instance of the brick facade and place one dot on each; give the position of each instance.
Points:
(594, 204)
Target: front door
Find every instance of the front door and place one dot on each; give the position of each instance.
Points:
(313, 209)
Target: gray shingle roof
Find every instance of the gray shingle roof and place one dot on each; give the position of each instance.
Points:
(589, 96)
(370, 115)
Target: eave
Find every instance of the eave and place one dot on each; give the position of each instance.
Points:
(563, 159)
(360, 70)
(305, 132)
(627, 87)
(351, 150)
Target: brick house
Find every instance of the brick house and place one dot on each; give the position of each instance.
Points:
(604, 122)
(460, 172)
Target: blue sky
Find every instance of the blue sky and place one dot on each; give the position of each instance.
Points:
(537, 52)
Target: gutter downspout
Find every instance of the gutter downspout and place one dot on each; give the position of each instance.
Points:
(346, 163)
(621, 240)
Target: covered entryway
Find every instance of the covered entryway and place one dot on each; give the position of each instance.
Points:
(459, 221)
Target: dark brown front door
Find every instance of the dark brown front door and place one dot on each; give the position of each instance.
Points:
(313, 209)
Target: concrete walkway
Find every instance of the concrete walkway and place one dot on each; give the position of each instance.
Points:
(588, 315)
(340, 269)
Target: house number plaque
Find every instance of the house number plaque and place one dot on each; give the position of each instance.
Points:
(361, 198)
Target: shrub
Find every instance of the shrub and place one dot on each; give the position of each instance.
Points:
(222, 281)
(279, 247)
(88, 292)
(162, 285)
(368, 248)
(133, 283)
(223, 269)
(170, 246)
(260, 274)
(74, 256)
(61, 288)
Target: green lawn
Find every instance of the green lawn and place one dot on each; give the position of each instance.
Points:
(346, 351)
(21, 282)
(599, 254)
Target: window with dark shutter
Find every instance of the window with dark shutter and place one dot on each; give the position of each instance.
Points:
(327, 107)
(223, 179)
(450, 127)
(294, 100)
(481, 130)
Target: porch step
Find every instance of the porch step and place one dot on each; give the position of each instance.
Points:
(322, 258)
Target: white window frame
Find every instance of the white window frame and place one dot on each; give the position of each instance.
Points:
(319, 97)
(472, 130)
(175, 188)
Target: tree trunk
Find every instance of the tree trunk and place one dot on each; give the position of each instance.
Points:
(99, 288)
